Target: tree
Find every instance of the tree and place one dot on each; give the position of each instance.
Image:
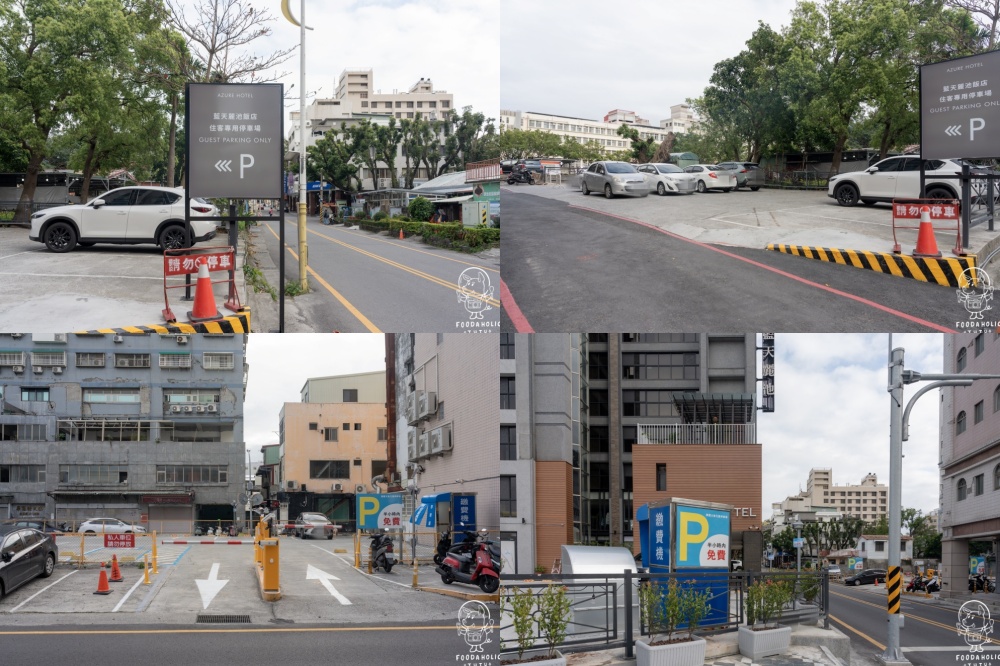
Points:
(986, 14)
(420, 144)
(386, 142)
(467, 137)
(364, 145)
(880, 526)
(330, 159)
(642, 149)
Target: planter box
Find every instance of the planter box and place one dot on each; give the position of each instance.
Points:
(688, 653)
(559, 660)
(756, 644)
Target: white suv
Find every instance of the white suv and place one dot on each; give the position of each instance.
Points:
(109, 526)
(129, 215)
(896, 178)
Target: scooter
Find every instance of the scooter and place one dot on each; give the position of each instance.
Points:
(381, 552)
(522, 176)
(917, 584)
(980, 583)
(444, 544)
(480, 568)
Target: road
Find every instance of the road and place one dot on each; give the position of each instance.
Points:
(363, 282)
(928, 637)
(568, 269)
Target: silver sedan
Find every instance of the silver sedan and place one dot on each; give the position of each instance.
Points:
(712, 177)
(669, 178)
(614, 178)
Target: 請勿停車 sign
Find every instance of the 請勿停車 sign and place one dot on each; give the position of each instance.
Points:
(119, 541)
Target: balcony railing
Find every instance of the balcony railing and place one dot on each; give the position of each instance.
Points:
(697, 433)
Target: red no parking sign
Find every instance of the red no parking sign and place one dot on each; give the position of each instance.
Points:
(119, 541)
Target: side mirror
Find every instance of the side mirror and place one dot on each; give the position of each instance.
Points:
(7, 557)
(97, 203)
(872, 169)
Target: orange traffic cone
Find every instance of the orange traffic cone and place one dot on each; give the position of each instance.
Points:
(204, 301)
(876, 582)
(926, 244)
(116, 573)
(102, 583)
(401, 233)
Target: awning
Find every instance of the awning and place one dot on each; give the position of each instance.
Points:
(426, 513)
(452, 199)
(642, 513)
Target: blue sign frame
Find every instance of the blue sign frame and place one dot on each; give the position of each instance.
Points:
(702, 538)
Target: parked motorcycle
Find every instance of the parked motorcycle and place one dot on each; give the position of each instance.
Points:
(520, 176)
(917, 584)
(480, 567)
(981, 583)
(381, 552)
(444, 544)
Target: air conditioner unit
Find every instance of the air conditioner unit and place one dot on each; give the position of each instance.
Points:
(119, 338)
(58, 337)
(292, 485)
(175, 409)
(123, 362)
(441, 439)
(424, 445)
(427, 404)
(57, 370)
(182, 339)
(18, 369)
(360, 488)
(200, 408)
(337, 487)
(411, 444)
(211, 408)
(411, 408)
(16, 335)
(37, 369)
(188, 409)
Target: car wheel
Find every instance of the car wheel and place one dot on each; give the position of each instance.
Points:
(50, 565)
(940, 193)
(1, 589)
(857, 583)
(608, 194)
(661, 190)
(60, 237)
(329, 537)
(583, 187)
(701, 187)
(172, 238)
(754, 189)
(846, 194)
(90, 532)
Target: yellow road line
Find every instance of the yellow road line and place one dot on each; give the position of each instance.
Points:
(452, 286)
(852, 629)
(71, 632)
(336, 294)
(368, 235)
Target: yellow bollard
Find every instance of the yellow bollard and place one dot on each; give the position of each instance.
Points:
(414, 572)
(357, 550)
(82, 549)
(155, 556)
(145, 569)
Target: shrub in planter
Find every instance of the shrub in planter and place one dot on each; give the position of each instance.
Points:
(765, 602)
(552, 617)
(663, 611)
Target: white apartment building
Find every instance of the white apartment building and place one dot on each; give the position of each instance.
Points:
(604, 131)
(356, 99)
(868, 500)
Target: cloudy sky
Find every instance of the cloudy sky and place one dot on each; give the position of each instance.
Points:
(280, 365)
(584, 58)
(452, 42)
(832, 410)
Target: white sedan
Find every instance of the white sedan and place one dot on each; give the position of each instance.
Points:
(669, 178)
(712, 177)
(613, 178)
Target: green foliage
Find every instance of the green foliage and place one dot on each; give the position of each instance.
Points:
(766, 599)
(293, 288)
(256, 280)
(661, 607)
(694, 606)
(642, 149)
(420, 209)
(330, 160)
(381, 215)
(520, 604)
(553, 616)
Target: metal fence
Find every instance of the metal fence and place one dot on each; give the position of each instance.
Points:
(9, 213)
(605, 610)
(697, 433)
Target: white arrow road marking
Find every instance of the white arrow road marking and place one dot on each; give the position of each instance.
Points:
(312, 573)
(211, 586)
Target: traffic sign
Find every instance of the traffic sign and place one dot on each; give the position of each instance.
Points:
(798, 543)
(235, 140)
(119, 541)
(959, 112)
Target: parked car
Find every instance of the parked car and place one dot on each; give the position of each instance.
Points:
(109, 526)
(712, 177)
(897, 177)
(866, 577)
(45, 526)
(833, 571)
(748, 174)
(25, 554)
(530, 165)
(128, 215)
(668, 178)
(614, 178)
(314, 526)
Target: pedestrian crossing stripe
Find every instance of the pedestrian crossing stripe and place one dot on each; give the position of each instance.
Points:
(237, 323)
(946, 271)
(894, 585)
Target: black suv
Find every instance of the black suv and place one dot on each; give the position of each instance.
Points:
(747, 173)
(866, 577)
(530, 165)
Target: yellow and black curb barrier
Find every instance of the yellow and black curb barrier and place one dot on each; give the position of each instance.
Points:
(894, 585)
(945, 271)
(237, 323)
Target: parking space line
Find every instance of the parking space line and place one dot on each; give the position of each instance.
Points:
(127, 595)
(42, 590)
(183, 553)
(350, 564)
(17, 254)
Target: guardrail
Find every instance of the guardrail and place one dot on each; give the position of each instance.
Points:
(88, 548)
(697, 433)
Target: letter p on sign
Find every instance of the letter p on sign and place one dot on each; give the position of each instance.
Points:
(689, 537)
(367, 507)
(975, 124)
(244, 164)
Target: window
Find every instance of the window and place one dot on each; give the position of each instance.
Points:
(409, 105)
(89, 360)
(357, 426)
(996, 399)
(879, 546)
(648, 403)
(507, 395)
(175, 360)
(22, 473)
(409, 114)
(508, 496)
(980, 343)
(978, 412)
(629, 434)
(154, 198)
(49, 358)
(996, 477)
(960, 423)
(217, 361)
(329, 469)
(599, 439)
(383, 434)
(660, 366)
(190, 473)
(111, 395)
(399, 105)
(977, 485)
(598, 365)
(508, 442)
(22, 432)
(661, 477)
(330, 434)
(132, 360)
(191, 396)
(350, 395)
(92, 474)
(314, 426)
(31, 394)
(963, 490)
(960, 364)
(364, 103)
(507, 346)
(433, 105)
(346, 426)
(598, 400)
(445, 104)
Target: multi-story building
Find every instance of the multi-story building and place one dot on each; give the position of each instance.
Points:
(145, 428)
(333, 444)
(867, 500)
(356, 99)
(970, 456)
(594, 426)
(447, 422)
(604, 131)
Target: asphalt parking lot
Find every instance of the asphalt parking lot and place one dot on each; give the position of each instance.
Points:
(318, 585)
(89, 288)
(743, 218)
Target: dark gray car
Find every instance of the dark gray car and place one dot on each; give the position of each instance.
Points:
(25, 554)
(748, 174)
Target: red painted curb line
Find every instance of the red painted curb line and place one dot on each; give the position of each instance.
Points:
(508, 303)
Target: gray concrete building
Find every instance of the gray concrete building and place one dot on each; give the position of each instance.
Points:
(147, 428)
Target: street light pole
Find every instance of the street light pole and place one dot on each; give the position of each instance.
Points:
(303, 247)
